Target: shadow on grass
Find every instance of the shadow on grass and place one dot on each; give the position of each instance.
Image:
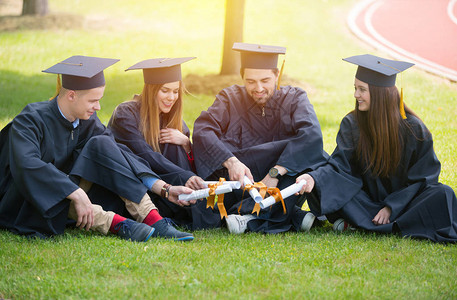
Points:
(61, 21)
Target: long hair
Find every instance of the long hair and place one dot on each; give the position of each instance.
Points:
(150, 114)
(382, 131)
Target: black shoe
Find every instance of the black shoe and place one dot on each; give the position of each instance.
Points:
(164, 228)
(134, 231)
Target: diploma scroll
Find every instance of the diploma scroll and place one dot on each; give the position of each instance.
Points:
(200, 194)
(288, 191)
(253, 192)
(234, 184)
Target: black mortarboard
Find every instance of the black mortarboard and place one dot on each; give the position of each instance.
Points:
(255, 56)
(161, 70)
(377, 71)
(82, 72)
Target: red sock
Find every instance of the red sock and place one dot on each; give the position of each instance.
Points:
(152, 217)
(116, 219)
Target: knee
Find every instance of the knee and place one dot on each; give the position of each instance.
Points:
(100, 142)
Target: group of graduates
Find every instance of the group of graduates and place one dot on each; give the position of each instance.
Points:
(60, 166)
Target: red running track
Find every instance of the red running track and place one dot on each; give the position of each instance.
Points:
(419, 31)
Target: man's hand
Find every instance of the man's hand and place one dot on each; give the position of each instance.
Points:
(383, 216)
(175, 191)
(82, 206)
(272, 181)
(237, 170)
(196, 183)
(308, 187)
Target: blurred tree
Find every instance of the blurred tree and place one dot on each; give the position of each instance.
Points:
(234, 17)
(35, 7)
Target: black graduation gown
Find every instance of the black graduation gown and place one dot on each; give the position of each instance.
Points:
(172, 164)
(42, 158)
(421, 206)
(285, 132)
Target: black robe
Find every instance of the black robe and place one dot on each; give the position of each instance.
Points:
(285, 132)
(172, 164)
(42, 158)
(421, 206)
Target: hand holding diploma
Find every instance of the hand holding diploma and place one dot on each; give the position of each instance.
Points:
(234, 184)
(287, 192)
(237, 170)
(204, 193)
(308, 187)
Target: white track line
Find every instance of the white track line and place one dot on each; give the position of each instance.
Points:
(389, 48)
(450, 10)
(420, 60)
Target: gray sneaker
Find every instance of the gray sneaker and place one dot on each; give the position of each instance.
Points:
(307, 222)
(237, 224)
(165, 228)
(341, 225)
(133, 231)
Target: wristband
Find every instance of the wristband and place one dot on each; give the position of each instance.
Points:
(168, 191)
(164, 190)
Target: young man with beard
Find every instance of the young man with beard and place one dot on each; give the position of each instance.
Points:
(265, 132)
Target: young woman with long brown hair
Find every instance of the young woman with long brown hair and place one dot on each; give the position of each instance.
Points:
(383, 173)
(151, 125)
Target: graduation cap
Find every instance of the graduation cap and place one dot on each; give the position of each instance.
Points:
(379, 71)
(256, 56)
(81, 72)
(161, 70)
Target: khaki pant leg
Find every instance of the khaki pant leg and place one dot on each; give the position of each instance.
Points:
(139, 211)
(102, 219)
(85, 185)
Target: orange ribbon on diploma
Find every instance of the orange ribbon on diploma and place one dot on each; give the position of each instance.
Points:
(263, 189)
(220, 199)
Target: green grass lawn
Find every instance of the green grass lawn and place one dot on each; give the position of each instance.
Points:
(320, 264)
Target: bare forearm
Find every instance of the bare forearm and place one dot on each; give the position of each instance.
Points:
(230, 162)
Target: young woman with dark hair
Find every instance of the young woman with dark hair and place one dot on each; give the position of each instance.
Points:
(383, 173)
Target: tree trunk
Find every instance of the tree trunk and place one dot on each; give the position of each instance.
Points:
(234, 16)
(35, 7)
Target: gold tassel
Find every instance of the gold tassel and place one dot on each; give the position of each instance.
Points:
(280, 75)
(58, 88)
(402, 106)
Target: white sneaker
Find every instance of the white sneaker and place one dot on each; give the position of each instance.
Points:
(237, 224)
(341, 225)
(307, 222)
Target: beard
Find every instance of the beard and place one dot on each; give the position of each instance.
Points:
(261, 98)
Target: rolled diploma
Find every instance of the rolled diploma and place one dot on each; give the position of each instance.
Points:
(253, 192)
(199, 194)
(234, 184)
(288, 191)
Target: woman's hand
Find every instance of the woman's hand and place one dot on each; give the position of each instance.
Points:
(196, 183)
(383, 216)
(308, 187)
(173, 136)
